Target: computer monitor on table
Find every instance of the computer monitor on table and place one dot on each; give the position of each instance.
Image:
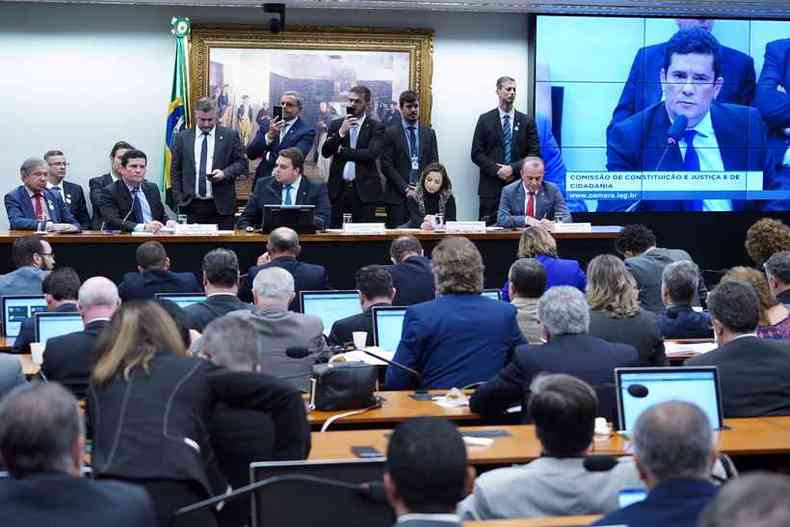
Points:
(17, 308)
(388, 326)
(55, 324)
(330, 306)
(182, 299)
(496, 294)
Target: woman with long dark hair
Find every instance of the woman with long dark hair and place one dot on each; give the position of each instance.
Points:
(433, 195)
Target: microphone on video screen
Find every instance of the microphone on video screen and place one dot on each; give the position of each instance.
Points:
(639, 391)
(674, 134)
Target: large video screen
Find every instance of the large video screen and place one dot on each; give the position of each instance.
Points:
(661, 114)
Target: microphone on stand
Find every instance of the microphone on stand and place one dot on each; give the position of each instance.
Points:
(674, 134)
(420, 394)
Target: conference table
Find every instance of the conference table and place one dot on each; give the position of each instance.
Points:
(111, 255)
(552, 521)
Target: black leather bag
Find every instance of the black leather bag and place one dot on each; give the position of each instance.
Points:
(343, 386)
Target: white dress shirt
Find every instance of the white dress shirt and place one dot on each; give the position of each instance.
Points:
(209, 160)
(60, 191)
(294, 190)
(511, 114)
(709, 158)
(350, 168)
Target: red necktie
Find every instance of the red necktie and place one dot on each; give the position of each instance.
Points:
(531, 205)
(38, 206)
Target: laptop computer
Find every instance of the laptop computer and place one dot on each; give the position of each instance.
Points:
(640, 388)
(51, 324)
(300, 218)
(496, 294)
(387, 326)
(17, 308)
(182, 299)
(330, 306)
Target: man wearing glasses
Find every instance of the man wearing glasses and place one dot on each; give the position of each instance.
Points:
(33, 207)
(70, 193)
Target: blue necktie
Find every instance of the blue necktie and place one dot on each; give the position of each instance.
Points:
(413, 154)
(202, 166)
(691, 164)
(137, 207)
(288, 200)
(507, 135)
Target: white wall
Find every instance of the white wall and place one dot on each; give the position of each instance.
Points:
(80, 77)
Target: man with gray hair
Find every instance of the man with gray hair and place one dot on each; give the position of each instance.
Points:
(674, 453)
(777, 269)
(33, 207)
(68, 358)
(280, 329)
(679, 282)
(569, 349)
(758, 499)
(42, 439)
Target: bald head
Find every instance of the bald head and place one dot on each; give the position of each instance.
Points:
(98, 298)
(532, 173)
(283, 241)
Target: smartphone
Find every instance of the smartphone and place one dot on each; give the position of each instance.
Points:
(366, 452)
(350, 110)
(277, 112)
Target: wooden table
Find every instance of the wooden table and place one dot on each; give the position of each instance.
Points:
(6, 343)
(552, 521)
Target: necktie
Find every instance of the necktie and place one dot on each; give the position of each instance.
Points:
(62, 197)
(137, 208)
(414, 153)
(202, 166)
(531, 204)
(507, 136)
(288, 200)
(691, 161)
(38, 206)
(350, 170)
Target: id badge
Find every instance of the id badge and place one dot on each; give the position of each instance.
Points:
(415, 163)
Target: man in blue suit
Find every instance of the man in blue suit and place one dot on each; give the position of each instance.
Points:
(643, 88)
(290, 131)
(718, 137)
(531, 200)
(31, 206)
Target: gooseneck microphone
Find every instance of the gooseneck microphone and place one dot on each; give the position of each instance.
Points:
(420, 394)
(674, 134)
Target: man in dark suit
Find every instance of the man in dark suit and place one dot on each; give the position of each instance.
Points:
(286, 186)
(42, 439)
(643, 87)
(132, 204)
(31, 206)
(221, 283)
(354, 143)
(569, 349)
(288, 131)
(427, 473)
(375, 289)
(282, 250)
(718, 137)
(408, 149)
(70, 193)
(68, 359)
(96, 184)
(777, 271)
(679, 320)
(503, 138)
(531, 200)
(754, 373)
(154, 276)
(205, 167)
(412, 276)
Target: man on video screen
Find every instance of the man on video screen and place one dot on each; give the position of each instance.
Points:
(718, 137)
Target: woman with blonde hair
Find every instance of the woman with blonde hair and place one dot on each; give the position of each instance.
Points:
(615, 314)
(150, 404)
(774, 317)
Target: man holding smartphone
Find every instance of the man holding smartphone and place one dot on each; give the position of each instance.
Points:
(285, 130)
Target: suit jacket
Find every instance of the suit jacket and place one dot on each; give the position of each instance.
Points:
(589, 358)
(370, 142)
(559, 271)
(307, 277)
(115, 203)
(488, 149)
(300, 135)
(413, 281)
(637, 144)
(11, 374)
(676, 502)
(647, 269)
(343, 330)
(215, 306)
(640, 331)
(682, 322)
(269, 192)
(427, 522)
(396, 159)
(77, 204)
(27, 330)
(22, 216)
(68, 359)
(23, 281)
(643, 87)
(228, 157)
(58, 498)
(754, 375)
(774, 105)
(431, 206)
(145, 285)
(549, 204)
(455, 340)
(95, 185)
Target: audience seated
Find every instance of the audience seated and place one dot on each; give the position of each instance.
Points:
(758, 499)
(615, 314)
(461, 337)
(32, 258)
(646, 262)
(32, 206)
(42, 439)
(375, 289)
(679, 320)
(68, 359)
(221, 284)
(411, 272)
(674, 453)
(282, 250)
(427, 472)
(11, 374)
(774, 317)
(279, 329)
(777, 270)
(563, 409)
(766, 237)
(154, 276)
(150, 403)
(526, 284)
(60, 293)
(537, 242)
(565, 317)
(754, 373)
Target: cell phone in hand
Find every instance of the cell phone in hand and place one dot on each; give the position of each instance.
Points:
(277, 112)
(350, 111)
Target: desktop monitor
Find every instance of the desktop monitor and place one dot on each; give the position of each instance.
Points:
(17, 308)
(330, 306)
(300, 218)
(54, 324)
(387, 326)
(182, 300)
(496, 294)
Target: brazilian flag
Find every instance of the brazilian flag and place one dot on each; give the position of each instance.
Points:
(178, 114)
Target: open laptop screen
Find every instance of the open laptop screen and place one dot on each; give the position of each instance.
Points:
(50, 325)
(18, 308)
(182, 300)
(330, 306)
(496, 294)
(388, 326)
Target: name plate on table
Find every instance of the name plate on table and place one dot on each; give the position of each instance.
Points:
(572, 227)
(473, 227)
(363, 228)
(195, 229)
